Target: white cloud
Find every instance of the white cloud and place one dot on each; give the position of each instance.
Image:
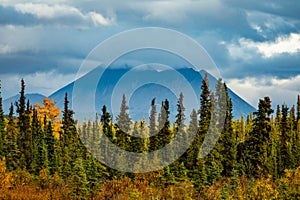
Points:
(283, 44)
(44, 83)
(279, 90)
(63, 14)
(98, 19)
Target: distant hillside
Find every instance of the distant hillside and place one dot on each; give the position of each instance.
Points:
(33, 98)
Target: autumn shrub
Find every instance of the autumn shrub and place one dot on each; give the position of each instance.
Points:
(21, 178)
(289, 186)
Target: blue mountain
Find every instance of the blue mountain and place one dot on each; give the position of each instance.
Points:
(118, 80)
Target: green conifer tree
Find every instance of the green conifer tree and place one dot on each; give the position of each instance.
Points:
(154, 141)
(51, 143)
(78, 184)
(12, 152)
(228, 138)
(2, 127)
(256, 145)
(25, 140)
(298, 108)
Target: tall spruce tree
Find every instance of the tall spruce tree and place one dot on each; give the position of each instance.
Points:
(285, 154)
(191, 159)
(123, 119)
(154, 141)
(228, 138)
(123, 126)
(108, 136)
(204, 111)
(213, 160)
(11, 150)
(25, 140)
(51, 144)
(69, 142)
(180, 128)
(203, 124)
(256, 145)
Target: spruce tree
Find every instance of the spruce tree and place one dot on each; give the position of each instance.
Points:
(152, 127)
(136, 141)
(108, 136)
(278, 115)
(37, 136)
(204, 111)
(25, 140)
(123, 126)
(256, 145)
(97, 133)
(298, 108)
(51, 144)
(180, 117)
(180, 128)
(165, 135)
(69, 143)
(196, 165)
(228, 138)
(12, 152)
(191, 158)
(285, 160)
(78, 183)
(2, 127)
(123, 119)
(292, 119)
(213, 160)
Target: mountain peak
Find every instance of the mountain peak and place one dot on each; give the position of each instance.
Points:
(139, 103)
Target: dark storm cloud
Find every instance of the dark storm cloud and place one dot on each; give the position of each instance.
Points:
(30, 64)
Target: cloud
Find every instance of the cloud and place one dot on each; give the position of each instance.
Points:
(42, 82)
(252, 89)
(280, 57)
(283, 44)
(30, 49)
(289, 9)
(57, 14)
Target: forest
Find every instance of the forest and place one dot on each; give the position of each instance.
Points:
(47, 154)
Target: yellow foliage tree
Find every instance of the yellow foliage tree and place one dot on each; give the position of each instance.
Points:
(5, 178)
(51, 112)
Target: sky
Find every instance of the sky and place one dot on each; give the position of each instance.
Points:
(255, 44)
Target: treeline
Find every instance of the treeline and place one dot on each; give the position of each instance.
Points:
(39, 148)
